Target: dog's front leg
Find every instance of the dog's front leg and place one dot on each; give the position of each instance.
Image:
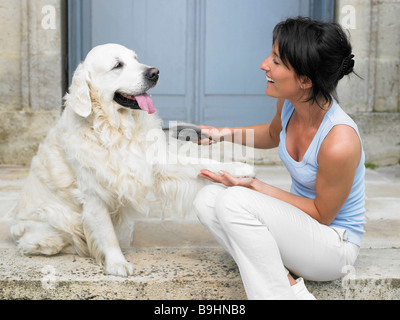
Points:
(101, 238)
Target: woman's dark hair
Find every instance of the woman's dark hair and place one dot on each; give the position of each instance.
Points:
(318, 50)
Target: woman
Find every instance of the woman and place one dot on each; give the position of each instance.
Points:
(314, 230)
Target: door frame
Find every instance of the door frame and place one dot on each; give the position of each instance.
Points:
(79, 33)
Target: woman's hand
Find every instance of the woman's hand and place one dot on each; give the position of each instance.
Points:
(227, 179)
(214, 134)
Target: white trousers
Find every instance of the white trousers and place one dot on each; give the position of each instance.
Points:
(267, 237)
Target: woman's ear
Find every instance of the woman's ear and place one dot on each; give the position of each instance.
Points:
(78, 98)
(305, 82)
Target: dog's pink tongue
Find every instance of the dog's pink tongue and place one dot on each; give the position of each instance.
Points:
(146, 103)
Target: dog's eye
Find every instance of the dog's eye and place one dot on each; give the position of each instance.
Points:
(119, 65)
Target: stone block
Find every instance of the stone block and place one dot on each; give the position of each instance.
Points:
(387, 77)
(10, 35)
(388, 35)
(10, 54)
(10, 82)
(380, 133)
(353, 92)
(359, 30)
(21, 134)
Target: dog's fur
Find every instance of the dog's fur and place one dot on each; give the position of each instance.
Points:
(93, 173)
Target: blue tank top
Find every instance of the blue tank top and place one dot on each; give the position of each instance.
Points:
(304, 173)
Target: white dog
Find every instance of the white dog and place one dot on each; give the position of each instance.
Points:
(93, 171)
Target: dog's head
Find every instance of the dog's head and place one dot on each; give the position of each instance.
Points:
(114, 73)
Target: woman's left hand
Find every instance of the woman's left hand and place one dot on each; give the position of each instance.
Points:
(226, 179)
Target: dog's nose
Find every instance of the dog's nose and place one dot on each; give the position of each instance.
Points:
(152, 74)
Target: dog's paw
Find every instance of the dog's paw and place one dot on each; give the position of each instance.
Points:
(242, 170)
(119, 267)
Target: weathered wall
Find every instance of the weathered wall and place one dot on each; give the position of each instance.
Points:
(30, 75)
(374, 100)
(375, 35)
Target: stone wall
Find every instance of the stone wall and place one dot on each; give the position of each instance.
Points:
(31, 82)
(32, 49)
(375, 35)
(374, 100)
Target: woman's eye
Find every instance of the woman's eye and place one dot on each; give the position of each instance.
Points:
(276, 62)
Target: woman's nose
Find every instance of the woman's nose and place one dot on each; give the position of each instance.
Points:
(264, 65)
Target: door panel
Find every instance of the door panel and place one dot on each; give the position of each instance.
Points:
(238, 37)
(237, 40)
(208, 51)
(156, 30)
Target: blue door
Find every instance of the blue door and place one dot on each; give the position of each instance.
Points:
(208, 51)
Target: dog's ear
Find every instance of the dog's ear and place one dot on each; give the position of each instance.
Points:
(78, 98)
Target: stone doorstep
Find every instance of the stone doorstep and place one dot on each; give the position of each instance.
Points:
(178, 273)
(176, 260)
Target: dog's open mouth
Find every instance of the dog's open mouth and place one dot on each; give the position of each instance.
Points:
(140, 102)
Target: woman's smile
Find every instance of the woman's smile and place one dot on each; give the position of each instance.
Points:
(270, 80)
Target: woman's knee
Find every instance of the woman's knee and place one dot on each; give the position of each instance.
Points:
(230, 203)
(205, 201)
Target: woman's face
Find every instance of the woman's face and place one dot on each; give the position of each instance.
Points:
(282, 81)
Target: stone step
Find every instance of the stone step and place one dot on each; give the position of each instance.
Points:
(179, 273)
(178, 258)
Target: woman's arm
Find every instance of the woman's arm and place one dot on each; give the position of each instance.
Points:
(266, 136)
(338, 159)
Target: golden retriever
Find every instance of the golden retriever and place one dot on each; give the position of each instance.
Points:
(98, 164)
